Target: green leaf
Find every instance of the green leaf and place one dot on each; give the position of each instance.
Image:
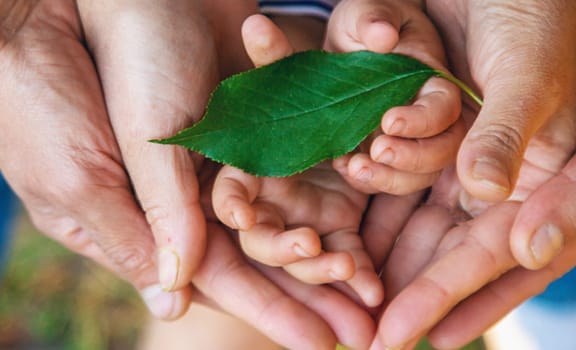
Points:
(283, 118)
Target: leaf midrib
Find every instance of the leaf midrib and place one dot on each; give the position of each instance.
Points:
(328, 105)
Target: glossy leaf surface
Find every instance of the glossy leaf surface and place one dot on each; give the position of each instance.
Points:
(283, 118)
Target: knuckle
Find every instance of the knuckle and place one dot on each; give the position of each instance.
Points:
(504, 139)
(156, 216)
(393, 185)
(418, 163)
(131, 259)
(437, 291)
(399, 185)
(91, 171)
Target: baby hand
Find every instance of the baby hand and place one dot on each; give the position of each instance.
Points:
(307, 223)
(417, 141)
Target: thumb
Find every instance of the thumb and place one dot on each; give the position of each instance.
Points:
(545, 222)
(516, 104)
(526, 79)
(264, 42)
(154, 85)
(363, 25)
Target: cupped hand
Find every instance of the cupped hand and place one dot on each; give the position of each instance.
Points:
(460, 279)
(455, 270)
(267, 297)
(415, 141)
(76, 122)
(519, 147)
(452, 276)
(521, 57)
(294, 314)
(307, 223)
(158, 64)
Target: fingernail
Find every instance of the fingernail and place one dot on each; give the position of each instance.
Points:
(377, 344)
(301, 252)
(546, 243)
(397, 127)
(364, 175)
(472, 206)
(491, 173)
(336, 276)
(386, 156)
(168, 266)
(342, 170)
(339, 275)
(341, 165)
(234, 221)
(160, 303)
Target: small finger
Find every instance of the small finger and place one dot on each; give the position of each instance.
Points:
(363, 25)
(422, 155)
(353, 326)
(365, 174)
(264, 42)
(232, 196)
(274, 247)
(325, 268)
(365, 282)
(434, 110)
(256, 299)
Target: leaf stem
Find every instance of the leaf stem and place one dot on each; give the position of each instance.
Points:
(461, 85)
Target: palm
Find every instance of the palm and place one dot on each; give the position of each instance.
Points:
(315, 211)
(54, 63)
(318, 198)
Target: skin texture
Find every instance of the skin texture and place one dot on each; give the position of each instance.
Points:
(75, 149)
(276, 216)
(76, 154)
(533, 68)
(460, 255)
(306, 223)
(94, 201)
(348, 323)
(416, 141)
(289, 312)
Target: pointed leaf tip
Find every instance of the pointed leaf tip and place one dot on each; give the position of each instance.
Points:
(283, 118)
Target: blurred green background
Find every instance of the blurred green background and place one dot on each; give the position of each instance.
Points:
(51, 298)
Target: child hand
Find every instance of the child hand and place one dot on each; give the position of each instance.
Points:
(289, 221)
(417, 141)
(307, 223)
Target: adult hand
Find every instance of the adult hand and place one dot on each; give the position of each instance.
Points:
(60, 153)
(451, 277)
(444, 261)
(525, 129)
(521, 57)
(294, 314)
(76, 125)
